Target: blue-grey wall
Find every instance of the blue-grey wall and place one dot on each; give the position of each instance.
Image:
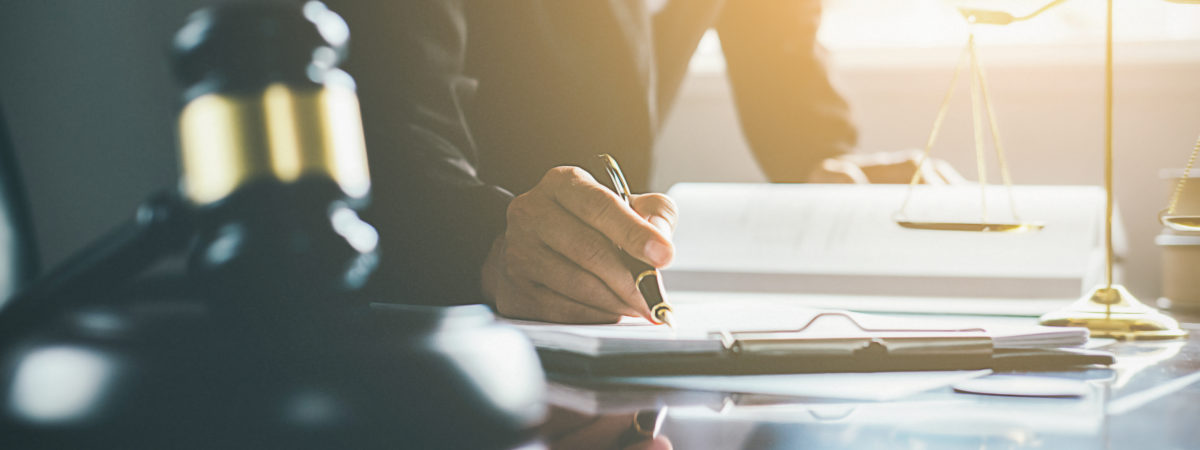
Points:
(91, 102)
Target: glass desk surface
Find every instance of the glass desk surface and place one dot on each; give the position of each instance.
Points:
(1150, 399)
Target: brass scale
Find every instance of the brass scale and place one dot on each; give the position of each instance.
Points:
(1108, 310)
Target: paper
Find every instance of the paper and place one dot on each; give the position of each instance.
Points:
(742, 312)
(1006, 332)
(876, 386)
(698, 318)
(631, 336)
(844, 240)
(1026, 307)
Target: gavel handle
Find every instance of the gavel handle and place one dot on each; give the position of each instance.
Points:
(159, 228)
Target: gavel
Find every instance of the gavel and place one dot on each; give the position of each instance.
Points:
(269, 343)
(273, 172)
(273, 159)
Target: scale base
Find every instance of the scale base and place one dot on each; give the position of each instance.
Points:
(1112, 312)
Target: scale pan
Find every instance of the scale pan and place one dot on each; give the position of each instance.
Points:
(978, 227)
(1181, 223)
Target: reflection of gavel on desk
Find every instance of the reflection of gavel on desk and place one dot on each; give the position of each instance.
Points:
(273, 170)
(568, 429)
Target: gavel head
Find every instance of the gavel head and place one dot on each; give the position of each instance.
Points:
(272, 155)
(264, 99)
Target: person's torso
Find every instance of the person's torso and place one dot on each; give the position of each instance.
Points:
(562, 81)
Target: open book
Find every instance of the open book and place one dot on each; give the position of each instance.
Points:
(842, 240)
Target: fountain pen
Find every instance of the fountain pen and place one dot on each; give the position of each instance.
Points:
(645, 277)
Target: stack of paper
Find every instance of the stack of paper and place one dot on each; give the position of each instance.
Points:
(699, 320)
(1006, 332)
(632, 336)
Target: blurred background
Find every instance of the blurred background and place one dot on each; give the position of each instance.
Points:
(893, 61)
(92, 105)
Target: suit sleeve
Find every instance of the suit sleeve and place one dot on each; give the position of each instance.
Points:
(789, 111)
(435, 217)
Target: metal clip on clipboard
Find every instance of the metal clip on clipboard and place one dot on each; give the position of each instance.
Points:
(860, 342)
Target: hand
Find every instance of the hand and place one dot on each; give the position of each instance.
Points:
(884, 167)
(559, 260)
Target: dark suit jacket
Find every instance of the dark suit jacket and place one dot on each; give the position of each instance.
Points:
(464, 102)
(560, 81)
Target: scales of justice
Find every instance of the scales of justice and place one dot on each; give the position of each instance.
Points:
(1108, 310)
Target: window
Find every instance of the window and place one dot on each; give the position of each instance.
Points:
(852, 24)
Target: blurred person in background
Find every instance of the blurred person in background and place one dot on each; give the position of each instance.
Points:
(467, 103)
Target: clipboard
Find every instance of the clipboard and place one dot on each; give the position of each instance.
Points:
(804, 350)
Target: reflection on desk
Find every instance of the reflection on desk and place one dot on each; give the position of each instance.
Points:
(635, 430)
(1149, 399)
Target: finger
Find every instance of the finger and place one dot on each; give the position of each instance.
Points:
(845, 169)
(930, 174)
(532, 302)
(882, 158)
(659, 210)
(542, 265)
(870, 159)
(586, 247)
(603, 210)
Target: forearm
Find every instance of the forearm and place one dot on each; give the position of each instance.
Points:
(790, 112)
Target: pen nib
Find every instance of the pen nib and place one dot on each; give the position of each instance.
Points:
(665, 316)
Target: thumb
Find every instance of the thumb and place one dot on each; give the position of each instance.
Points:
(657, 209)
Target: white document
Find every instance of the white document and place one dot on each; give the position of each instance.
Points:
(698, 318)
(843, 239)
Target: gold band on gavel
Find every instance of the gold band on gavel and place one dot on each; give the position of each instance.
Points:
(282, 132)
